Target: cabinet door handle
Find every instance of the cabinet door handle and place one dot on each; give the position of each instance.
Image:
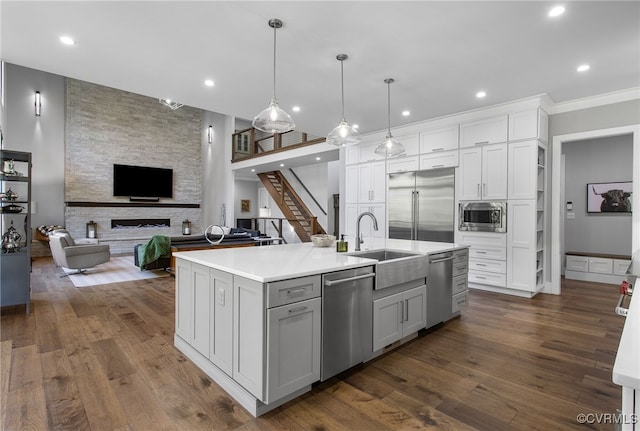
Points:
(481, 143)
(406, 305)
(478, 190)
(484, 189)
(295, 310)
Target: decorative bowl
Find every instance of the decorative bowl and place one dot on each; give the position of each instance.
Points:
(323, 240)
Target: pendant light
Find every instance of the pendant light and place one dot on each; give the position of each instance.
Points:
(273, 119)
(391, 147)
(343, 134)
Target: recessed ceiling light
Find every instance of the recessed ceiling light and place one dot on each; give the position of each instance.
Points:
(318, 158)
(253, 170)
(556, 11)
(583, 68)
(67, 40)
(281, 164)
(406, 113)
(296, 109)
(208, 83)
(356, 126)
(481, 94)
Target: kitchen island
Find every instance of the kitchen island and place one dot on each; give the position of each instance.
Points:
(251, 318)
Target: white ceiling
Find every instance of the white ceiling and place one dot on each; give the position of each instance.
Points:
(439, 53)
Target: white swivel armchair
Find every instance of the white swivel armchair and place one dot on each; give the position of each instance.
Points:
(66, 253)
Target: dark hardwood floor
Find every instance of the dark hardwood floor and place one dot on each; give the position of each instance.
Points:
(102, 358)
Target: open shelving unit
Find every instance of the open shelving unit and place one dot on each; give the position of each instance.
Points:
(15, 222)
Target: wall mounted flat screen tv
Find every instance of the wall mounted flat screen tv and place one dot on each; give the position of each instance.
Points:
(142, 181)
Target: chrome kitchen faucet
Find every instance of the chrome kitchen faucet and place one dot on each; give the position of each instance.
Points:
(375, 227)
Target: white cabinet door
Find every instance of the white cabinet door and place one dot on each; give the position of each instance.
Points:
(364, 182)
(366, 224)
(440, 139)
(529, 124)
(351, 154)
(403, 164)
(521, 245)
(183, 299)
(200, 312)
(351, 184)
(483, 132)
(444, 159)
(470, 174)
(248, 335)
(523, 170)
(494, 172)
(415, 314)
(387, 320)
(221, 344)
(293, 347)
(350, 217)
(378, 182)
(483, 173)
(411, 143)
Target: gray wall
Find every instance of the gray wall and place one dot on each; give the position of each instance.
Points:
(42, 136)
(600, 117)
(592, 161)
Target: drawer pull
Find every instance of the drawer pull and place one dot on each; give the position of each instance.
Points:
(481, 277)
(481, 143)
(295, 291)
(438, 149)
(481, 252)
(437, 166)
(480, 264)
(295, 310)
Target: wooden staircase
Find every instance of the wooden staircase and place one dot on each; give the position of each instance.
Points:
(304, 223)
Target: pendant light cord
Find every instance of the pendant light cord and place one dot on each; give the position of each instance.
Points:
(275, 28)
(342, 85)
(389, 81)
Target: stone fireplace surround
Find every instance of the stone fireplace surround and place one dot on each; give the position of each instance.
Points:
(104, 126)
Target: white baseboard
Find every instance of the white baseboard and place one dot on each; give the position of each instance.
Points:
(592, 276)
(513, 292)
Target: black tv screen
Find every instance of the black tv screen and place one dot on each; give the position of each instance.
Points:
(142, 181)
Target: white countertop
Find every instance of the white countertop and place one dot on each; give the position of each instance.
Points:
(626, 368)
(280, 262)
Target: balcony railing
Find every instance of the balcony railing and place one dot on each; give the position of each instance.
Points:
(250, 143)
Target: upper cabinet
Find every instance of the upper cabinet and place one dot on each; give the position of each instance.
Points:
(482, 132)
(411, 143)
(483, 173)
(529, 124)
(440, 139)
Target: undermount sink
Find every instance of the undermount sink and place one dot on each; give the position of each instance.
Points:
(396, 267)
(384, 254)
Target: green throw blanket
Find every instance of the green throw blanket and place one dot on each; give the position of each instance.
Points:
(157, 247)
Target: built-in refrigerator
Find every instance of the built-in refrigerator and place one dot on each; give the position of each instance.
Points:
(422, 204)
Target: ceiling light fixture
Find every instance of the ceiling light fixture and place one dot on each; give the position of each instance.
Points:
(171, 104)
(67, 40)
(406, 113)
(273, 119)
(556, 11)
(343, 134)
(210, 134)
(208, 82)
(391, 147)
(38, 103)
(583, 68)
(481, 94)
(296, 109)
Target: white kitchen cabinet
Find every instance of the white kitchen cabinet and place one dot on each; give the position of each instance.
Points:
(440, 139)
(183, 299)
(367, 148)
(523, 169)
(293, 347)
(396, 316)
(371, 182)
(482, 132)
(403, 164)
(248, 335)
(436, 160)
(221, 342)
(352, 184)
(200, 303)
(483, 173)
(366, 224)
(411, 143)
(487, 257)
(522, 245)
(529, 124)
(352, 154)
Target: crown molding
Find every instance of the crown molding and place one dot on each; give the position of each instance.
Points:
(591, 102)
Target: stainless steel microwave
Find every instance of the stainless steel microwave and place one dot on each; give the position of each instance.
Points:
(483, 216)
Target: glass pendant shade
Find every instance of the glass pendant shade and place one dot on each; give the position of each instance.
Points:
(343, 134)
(273, 119)
(391, 147)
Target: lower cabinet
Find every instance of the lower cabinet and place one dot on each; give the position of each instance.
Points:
(293, 347)
(398, 315)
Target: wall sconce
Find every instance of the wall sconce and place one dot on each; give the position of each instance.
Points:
(186, 227)
(91, 229)
(38, 104)
(210, 134)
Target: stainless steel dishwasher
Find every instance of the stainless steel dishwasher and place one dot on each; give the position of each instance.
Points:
(439, 288)
(347, 319)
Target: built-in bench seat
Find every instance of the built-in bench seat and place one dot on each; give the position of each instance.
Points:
(598, 267)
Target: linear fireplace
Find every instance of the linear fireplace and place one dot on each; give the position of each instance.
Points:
(140, 223)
